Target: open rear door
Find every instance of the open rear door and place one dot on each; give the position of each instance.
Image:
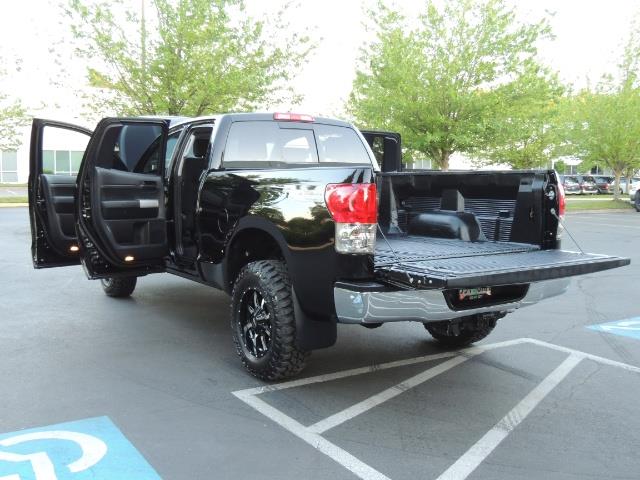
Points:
(56, 154)
(121, 215)
(387, 148)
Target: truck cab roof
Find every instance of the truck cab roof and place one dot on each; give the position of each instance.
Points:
(261, 116)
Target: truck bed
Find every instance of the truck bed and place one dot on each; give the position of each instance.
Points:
(425, 262)
(414, 248)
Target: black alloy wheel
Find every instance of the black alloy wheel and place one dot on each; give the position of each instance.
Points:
(255, 323)
(263, 321)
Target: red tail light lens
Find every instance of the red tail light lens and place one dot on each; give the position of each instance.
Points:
(352, 202)
(562, 203)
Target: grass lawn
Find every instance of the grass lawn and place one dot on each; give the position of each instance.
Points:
(14, 200)
(13, 184)
(596, 204)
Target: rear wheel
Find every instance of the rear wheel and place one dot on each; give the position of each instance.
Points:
(119, 287)
(463, 332)
(637, 201)
(263, 321)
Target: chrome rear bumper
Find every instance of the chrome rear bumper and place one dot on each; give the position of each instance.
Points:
(354, 306)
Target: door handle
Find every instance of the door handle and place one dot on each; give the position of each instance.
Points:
(148, 203)
(149, 185)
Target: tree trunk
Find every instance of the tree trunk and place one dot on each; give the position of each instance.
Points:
(444, 160)
(629, 177)
(616, 186)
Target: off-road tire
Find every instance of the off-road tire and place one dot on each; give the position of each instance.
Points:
(119, 287)
(468, 331)
(283, 359)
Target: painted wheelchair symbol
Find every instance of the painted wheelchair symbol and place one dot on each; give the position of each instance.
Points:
(630, 325)
(93, 450)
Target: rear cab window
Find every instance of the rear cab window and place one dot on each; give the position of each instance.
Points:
(263, 144)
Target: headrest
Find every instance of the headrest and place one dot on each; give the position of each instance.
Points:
(200, 146)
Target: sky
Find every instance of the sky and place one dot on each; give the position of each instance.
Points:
(589, 37)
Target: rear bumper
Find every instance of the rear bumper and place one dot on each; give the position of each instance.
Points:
(369, 306)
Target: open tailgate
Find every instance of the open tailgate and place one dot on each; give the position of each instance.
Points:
(481, 269)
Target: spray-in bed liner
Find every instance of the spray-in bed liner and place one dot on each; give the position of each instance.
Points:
(411, 248)
(425, 262)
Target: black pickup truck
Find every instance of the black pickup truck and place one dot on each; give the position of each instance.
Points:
(305, 222)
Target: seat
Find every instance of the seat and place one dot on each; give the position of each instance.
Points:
(192, 168)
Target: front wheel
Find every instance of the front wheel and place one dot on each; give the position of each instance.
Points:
(463, 332)
(119, 287)
(637, 201)
(263, 321)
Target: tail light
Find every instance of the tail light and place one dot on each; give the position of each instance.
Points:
(354, 208)
(562, 202)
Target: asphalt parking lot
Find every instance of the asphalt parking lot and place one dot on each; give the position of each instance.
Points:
(162, 368)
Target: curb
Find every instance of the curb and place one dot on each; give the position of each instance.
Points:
(9, 205)
(606, 210)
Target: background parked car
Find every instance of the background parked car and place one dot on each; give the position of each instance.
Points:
(635, 181)
(587, 184)
(604, 184)
(634, 194)
(570, 184)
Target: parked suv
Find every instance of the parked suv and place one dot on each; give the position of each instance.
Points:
(570, 184)
(634, 195)
(587, 184)
(603, 184)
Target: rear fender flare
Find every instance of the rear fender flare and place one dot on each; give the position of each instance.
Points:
(311, 333)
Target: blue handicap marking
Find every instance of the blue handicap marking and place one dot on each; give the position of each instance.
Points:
(85, 449)
(627, 328)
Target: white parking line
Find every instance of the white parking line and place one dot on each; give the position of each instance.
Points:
(466, 464)
(375, 367)
(388, 394)
(344, 458)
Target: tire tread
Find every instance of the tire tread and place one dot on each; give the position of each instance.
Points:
(286, 359)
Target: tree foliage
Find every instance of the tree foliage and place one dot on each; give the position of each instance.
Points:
(455, 79)
(530, 131)
(606, 130)
(605, 127)
(12, 117)
(184, 57)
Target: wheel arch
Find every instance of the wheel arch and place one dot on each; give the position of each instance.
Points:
(256, 238)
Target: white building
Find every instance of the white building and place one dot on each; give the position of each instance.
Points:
(62, 150)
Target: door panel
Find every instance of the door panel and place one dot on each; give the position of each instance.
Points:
(121, 212)
(56, 151)
(132, 213)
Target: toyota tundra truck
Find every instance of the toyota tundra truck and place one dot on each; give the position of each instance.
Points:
(306, 223)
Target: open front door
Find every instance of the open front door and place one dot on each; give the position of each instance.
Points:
(56, 154)
(121, 216)
(387, 148)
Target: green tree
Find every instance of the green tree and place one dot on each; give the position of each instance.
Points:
(447, 79)
(607, 128)
(606, 119)
(529, 131)
(12, 117)
(184, 57)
